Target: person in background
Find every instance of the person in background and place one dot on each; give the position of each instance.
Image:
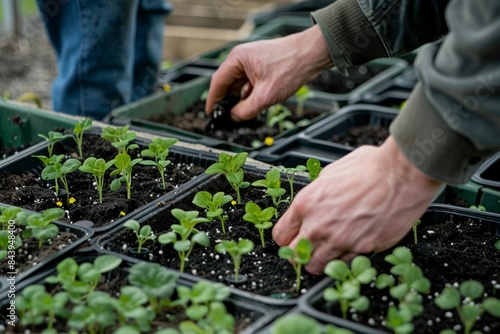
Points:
(108, 51)
(368, 200)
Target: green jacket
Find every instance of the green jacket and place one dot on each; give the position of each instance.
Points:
(451, 122)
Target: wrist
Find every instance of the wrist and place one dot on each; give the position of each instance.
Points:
(311, 45)
(401, 167)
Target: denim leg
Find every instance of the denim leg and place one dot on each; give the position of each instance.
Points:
(93, 41)
(151, 16)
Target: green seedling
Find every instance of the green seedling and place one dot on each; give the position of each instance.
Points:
(36, 306)
(477, 207)
(300, 324)
(205, 308)
(120, 138)
(52, 139)
(80, 127)
(132, 310)
(158, 149)
(236, 251)
(276, 115)
(59, 171)
(51, 161)
(497, 244)
(415, 238)
(272, 183)
(181, 237)
(94, 316)
(8, 244)
(124, 165)
(231, 167)
(298, 257)
(399, 320)
(290, 175)
(40, 227)
(31, 97)
(156, 281)
(143, 234)
(96, 167)
(407, 289)
(213, 205)
(314, 168)
(302, 95)
(79, 281)
(7, 215)
(347, 288)
(260, 218)
(465, 300)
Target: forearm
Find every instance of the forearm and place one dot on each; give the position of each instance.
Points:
(358, 31)
(452, 120)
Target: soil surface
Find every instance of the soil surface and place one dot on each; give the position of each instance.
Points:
(333, 82)
(28, 63)
(266, 273)
(362, 135)
(449, 250)
(29, 254)
(112, 282)
(26, 189)
(244, 133)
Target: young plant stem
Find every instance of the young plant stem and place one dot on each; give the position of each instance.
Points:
(222, 224)
(237, 262)
(238, 197)
(100, 185)
(261, 232)
(65, 185)
(415, 233)
(298, 269)
(290, 180)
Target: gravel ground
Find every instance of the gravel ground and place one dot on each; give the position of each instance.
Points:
(27, 64)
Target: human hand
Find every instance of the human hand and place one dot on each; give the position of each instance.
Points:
(268, 71)
(367, 201)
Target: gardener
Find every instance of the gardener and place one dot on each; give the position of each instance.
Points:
(108, 52)
(368, 200)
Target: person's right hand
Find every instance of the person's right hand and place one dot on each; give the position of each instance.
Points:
(268, 71)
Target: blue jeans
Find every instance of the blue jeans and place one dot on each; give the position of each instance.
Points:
(108, 51)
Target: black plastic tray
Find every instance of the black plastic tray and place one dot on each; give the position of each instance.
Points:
(434, 215)
(390, 98)
(488, 174)
(26, 163)
(154, 218)
(315, 141)
(265, 314)
(83, 234)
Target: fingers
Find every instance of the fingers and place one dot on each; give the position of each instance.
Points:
(227, 80)
(287, 227)
(249, 107)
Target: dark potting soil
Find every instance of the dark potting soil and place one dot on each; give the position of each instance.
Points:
(267, 274)
(111, 283)
(362, 135)
(333, 82)
(26, 189)
(29, 254)
(447, 252)
(244, 133)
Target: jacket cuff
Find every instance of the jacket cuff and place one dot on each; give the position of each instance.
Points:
(350, 37)
(431, 146)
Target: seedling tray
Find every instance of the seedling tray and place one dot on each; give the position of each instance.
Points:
(262, 315)
(315, 141)
(25, 163)
(138, 115)
(382, 69)
(390, 99)
(20, 126)
(160, 219)
(282, 26)
(82, 233)
(448, 265)
(488, 174)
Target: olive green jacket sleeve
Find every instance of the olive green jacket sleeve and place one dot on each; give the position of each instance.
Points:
(451, 121)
